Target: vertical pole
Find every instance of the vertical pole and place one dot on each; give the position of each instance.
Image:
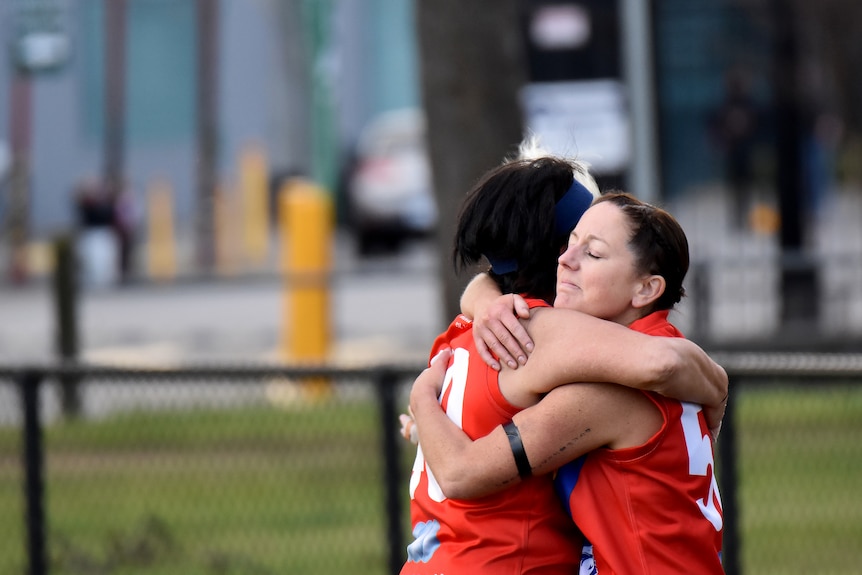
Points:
(115, 95)
(113, 174)
(306, 221)
(386, 386)
(729, 484)
(799, 276)
(65, 300)
(18, 206)
(255, 204)
(636, 26)
(207, 127)
(225, 232)
(702, 298)
(161, 243)
(318, 22)
(33, 476)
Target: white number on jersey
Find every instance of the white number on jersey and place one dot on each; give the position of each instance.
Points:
(456, 378)
(700, 462)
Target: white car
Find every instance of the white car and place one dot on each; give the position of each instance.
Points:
(390, 197)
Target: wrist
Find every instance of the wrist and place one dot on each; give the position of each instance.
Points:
(422, 392)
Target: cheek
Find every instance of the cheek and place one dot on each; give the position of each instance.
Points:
(609, 289)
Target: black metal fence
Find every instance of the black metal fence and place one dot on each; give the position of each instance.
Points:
(260, 469)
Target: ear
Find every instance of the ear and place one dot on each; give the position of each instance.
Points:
(648, 290)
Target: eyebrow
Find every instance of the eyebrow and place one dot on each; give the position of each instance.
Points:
(590, 237)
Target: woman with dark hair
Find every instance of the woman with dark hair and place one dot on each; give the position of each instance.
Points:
(635, 467)
(519, 217)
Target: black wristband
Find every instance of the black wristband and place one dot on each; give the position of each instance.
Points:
(521, 461)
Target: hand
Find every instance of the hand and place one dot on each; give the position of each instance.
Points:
(409, 431)
(714, 414)
(498, 333)
(431, 379)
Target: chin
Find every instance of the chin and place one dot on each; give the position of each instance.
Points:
(564, 301)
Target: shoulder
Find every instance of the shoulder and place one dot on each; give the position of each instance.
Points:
(595, 414)
(625, 417)
(555, 319)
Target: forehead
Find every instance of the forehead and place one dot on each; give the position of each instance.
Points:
(604, 221)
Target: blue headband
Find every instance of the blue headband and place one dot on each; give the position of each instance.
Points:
(567, 212)
(501, 267)
(571, 207)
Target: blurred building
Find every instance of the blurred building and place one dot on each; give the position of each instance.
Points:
(741, 115)
(289, 73)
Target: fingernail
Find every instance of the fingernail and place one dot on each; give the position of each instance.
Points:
(495, 367)
(529, 347)
(522, 360)
(511, 364)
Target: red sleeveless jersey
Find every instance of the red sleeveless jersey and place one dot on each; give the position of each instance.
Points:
(655, 508)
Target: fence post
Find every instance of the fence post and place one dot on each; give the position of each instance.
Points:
(33, 477)
(66, 308)
(701, 297)
(729, 485)
(386, 386)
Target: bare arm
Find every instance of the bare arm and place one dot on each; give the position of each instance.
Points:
(572, 347)
(570, 421)
(451, 450)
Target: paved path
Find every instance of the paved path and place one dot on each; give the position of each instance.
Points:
(381, 309)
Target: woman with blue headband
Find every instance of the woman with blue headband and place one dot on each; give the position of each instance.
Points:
(519, 217)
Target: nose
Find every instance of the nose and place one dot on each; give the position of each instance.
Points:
(569, 258)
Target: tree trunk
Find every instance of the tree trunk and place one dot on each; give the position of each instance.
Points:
(472, 62)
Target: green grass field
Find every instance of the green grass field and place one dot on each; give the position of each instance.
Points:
(254, 491)
(265, 491)
(801, 479)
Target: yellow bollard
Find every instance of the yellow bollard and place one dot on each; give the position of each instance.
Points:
(226, 232)
(306, 228)
(255, 205)
(161, 244)
(764, 219)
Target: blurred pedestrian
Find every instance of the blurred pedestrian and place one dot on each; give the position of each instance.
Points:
(126, 218)
(735, 129)
(97, 242)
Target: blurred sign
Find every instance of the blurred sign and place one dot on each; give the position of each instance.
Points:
(560, 27)
(40, 41)
(585, 119)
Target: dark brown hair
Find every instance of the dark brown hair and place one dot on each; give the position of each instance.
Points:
(658, 243)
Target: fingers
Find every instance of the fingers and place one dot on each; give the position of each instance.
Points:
(498, 332)
(435, 373)
(714, 415)
(522, 308)
(714, 431)
(408, 428)
(517, 341)
(484, 352)
(442, 357)
(488, 338)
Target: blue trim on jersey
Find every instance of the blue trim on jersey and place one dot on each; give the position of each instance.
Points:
(566, 479)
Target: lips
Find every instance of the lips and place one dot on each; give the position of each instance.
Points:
(566, 286)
